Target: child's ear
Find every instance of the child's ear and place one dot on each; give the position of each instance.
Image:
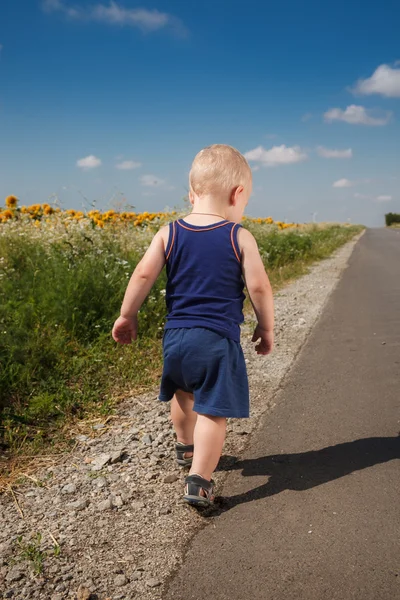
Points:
(191, 197)
(236, 194)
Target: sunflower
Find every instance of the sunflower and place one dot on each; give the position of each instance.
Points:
(11, 201)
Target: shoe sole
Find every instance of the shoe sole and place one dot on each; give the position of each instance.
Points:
(196, 501)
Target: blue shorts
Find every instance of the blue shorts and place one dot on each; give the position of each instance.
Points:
(210, 366)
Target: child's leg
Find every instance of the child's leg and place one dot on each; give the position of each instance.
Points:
(209, 437)
(183, 417)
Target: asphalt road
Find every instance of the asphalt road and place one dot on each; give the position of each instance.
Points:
(312, 511)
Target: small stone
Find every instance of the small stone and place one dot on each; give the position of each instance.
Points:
(165, 510)
(83, 593)
(150, 476)
(136, 575)
(138, 504)
(9, 594)
(117, 501)
(106, 504)
(81, 438)
(147, 439)
(99, 426)
(87, 460)
(153, 582)
(120, 580)
(100, 461)
(70, 488)
(301, 321)
(79, 504)
(383, 343)
(100, 482)
(116, 456)
(14, 575)
(171, 478)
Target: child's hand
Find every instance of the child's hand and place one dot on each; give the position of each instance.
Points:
(125, 330)
(267, 340)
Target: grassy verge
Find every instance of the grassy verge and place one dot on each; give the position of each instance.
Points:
(60, 291)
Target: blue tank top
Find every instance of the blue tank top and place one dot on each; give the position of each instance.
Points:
(205, 283)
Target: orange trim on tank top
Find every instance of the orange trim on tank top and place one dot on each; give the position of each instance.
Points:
(233, 244)
(173, 240)
(203, 228)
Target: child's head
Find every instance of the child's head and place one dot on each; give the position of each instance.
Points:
(221, 173)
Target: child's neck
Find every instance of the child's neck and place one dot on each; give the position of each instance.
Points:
(210, 206)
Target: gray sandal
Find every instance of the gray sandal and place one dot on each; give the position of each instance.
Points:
(195, 484)
(181, 450)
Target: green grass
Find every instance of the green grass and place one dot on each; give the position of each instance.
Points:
(32, 553)
(59, 297)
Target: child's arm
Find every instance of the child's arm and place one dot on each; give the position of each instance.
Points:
(260, 291)
(139, 286)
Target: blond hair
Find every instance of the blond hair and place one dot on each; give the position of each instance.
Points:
(217, 170)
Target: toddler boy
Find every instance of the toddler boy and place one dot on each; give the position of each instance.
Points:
(209, 258)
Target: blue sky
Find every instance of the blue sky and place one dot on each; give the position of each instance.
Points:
(110, 100)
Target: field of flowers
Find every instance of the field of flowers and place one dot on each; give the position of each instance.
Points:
(46, 213)
(63, 274)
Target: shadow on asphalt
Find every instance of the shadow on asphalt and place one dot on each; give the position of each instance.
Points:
(305, 470)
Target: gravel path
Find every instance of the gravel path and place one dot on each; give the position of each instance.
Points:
(114, 505)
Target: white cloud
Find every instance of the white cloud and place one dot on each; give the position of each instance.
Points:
(59, 6)
(384, 81)
(89, 162)
(381, 198)
(328, 153)
(358, 115)
(149, 20)
(152, 181)
(277, 155)
(343, 183)
(128, 165)
(114, 14)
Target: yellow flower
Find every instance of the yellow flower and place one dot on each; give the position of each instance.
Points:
(48, 210)
(11, 201)
(8, 214)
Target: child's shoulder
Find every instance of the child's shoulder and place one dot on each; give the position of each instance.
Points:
(245, 238)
